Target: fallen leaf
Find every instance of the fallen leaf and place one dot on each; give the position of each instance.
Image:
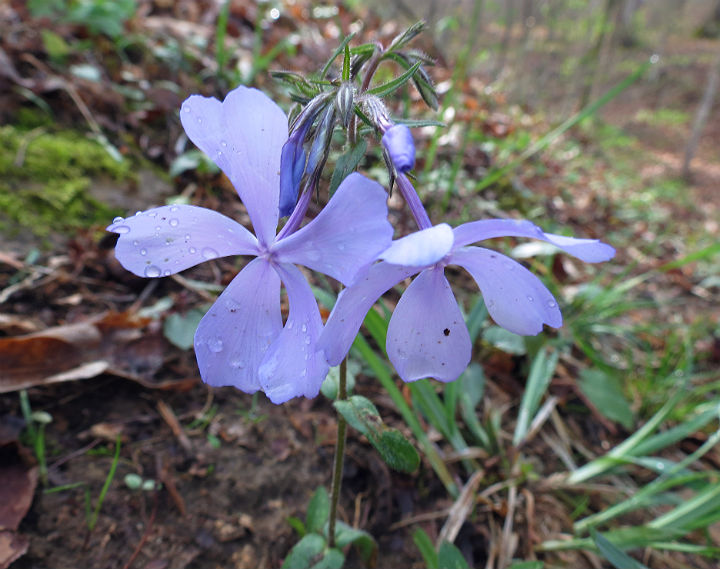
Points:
(115, 343)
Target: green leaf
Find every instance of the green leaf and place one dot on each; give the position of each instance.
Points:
(333, 559)
(338, 50)
(347, 163)
(179, 329)
(449, 557)
(390, 86)
(427, 549)
(397, 452)
(541, 372)
(605, 392)
(361, 414)
(297, 524)
(318, 510)
(404, 38)
(394, 448)
(346, 535)
(304, 551)
(505, 340)
(331, 385)
(618, 558)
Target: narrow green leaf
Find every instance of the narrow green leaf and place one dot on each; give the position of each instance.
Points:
(390, 86)
(405, 37)
(318, 510)
(427, 548)
(541, 372)
(619, 559)
(346, 64)
(338, 50)
(298, 525)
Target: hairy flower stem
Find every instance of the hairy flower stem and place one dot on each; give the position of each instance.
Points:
(339, 456)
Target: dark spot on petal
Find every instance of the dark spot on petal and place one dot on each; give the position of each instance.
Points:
(446, 331)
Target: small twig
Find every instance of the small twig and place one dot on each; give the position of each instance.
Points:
(146, 533)
(169, 415)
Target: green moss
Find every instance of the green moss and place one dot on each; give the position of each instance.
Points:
(45, 177)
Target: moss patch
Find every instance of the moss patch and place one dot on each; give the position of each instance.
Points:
(45, 176)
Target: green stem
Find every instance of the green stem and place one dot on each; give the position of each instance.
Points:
(339, 456)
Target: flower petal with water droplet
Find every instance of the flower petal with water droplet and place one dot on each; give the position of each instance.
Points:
(232, 338)
(160, 242)
(515, 298)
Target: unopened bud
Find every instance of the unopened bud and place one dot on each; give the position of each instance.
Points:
(398, 142)
(344, 101)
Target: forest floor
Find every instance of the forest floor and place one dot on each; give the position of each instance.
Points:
(90, 343)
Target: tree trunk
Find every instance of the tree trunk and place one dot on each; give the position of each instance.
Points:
(701, 116)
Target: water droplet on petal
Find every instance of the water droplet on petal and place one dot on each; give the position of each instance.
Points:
(118, 219)
(187, 237)
(304, 373)
(530, 298)
(166, 273)
(307, 340)
(303, 328)
(120, 229)
(152, 271)
(551, 303)
(136, 243)
(192, 250)
(237, 364)
(174, 222)
(209, 253)
(174, 208)
(289, 325)
(215, 344)
(143, 252)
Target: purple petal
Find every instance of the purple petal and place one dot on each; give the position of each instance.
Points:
(169, 239)
(234, 335)
(292, 168)
(244, 135)
(422, 248)
(427, 336)
(398, 142)
(588, 250)
(346, 236)
(515, 298)
(353, 304)
(292, 365)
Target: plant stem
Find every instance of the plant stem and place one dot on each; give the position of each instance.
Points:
(339, 456)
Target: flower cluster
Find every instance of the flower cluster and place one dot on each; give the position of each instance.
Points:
(242, 340)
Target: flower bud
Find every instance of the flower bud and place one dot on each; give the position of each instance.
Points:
(398, 142)
(344, 101)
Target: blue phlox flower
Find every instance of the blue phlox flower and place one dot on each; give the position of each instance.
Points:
(242, 340)
(398, 142)
(427, 336)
